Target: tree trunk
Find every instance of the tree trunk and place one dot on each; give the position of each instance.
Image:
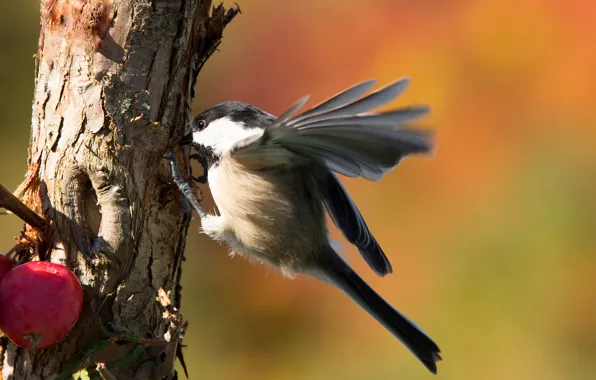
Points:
(113, 90)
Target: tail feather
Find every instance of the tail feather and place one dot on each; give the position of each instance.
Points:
(337, 272)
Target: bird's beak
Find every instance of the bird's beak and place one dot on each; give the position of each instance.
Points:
(186, 140)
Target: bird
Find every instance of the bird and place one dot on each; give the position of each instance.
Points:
(273, 178)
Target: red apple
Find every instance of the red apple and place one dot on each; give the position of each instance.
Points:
(6, 264)
(40, 302)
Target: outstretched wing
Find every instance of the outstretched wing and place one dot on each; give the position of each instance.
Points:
(342, 133)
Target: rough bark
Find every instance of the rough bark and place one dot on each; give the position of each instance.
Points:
(113, 90)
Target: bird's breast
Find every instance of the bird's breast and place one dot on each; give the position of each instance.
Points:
(275, 215)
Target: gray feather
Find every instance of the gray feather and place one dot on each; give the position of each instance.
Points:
(335, 271)
(340, 169)
(348, 219)
(365, 104)
(390, 118)
(358, 152)
(343, 98)
(348, 142)
(292, 110)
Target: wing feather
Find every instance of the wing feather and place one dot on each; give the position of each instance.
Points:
(349, 220)
(365, 104)
(292, 110)
(341, 134)
(361, 152)
(393, 118)
(343, 98)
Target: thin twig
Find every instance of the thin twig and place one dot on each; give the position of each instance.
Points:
(14, 205)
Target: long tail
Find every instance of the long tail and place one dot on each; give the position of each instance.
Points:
(335, 271)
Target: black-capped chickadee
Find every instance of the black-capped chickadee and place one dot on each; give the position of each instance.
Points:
(272, 179)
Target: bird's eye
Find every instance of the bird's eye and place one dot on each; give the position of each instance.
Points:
(201, 124)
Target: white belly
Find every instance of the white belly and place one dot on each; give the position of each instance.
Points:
(263, 214)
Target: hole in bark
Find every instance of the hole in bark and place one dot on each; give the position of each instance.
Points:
(92, 208)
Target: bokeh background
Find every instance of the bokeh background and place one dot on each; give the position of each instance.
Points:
(492, 239)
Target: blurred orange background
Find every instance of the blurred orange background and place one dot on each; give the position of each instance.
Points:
(491, 239)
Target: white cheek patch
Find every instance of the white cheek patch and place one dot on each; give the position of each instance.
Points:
(223, 134)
